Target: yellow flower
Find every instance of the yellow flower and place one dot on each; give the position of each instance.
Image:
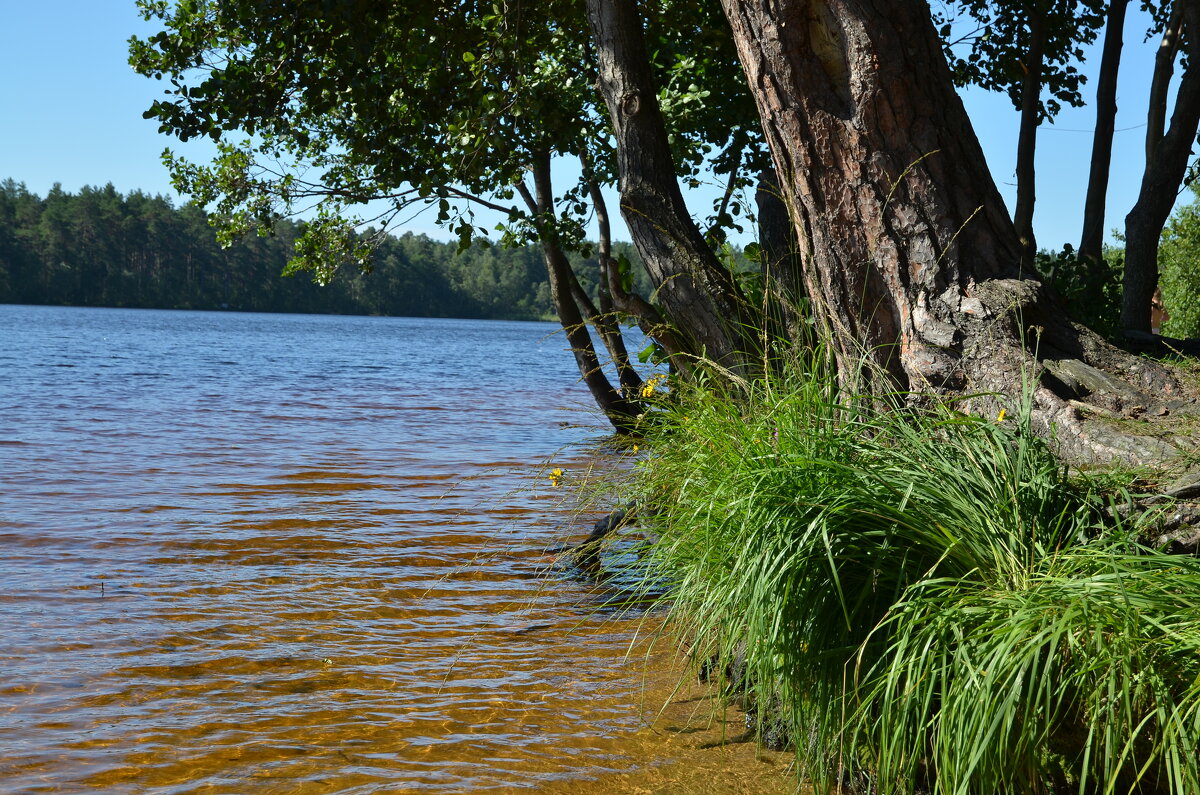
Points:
(555, 477)
(1000, 416)
(650, 386)
(635, 449)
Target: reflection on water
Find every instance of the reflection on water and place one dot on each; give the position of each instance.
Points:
(248, 553)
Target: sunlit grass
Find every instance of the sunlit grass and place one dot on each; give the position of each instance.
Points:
(930, 600)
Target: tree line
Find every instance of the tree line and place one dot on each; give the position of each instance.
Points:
(99, 247)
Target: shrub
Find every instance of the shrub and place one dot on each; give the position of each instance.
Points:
(1091, 292)
(1179, 270)
(930, 598)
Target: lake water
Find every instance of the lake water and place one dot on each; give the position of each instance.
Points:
(278, 553)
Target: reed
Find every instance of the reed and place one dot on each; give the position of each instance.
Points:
(930, 601)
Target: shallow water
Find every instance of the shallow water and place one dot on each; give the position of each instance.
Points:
(269, 553)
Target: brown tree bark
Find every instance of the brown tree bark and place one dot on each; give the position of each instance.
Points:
(1091, 242)
(1031, 110)
(1166, 165)
(909, 254)
(882, 171)
(699, 295)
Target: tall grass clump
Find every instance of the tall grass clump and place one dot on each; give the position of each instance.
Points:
(929, 600)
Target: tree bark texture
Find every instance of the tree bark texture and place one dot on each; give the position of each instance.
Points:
(697, 292)
(909, 254)
(882, 172)
(1091, 242)
(1031, 111)
(1166, 166)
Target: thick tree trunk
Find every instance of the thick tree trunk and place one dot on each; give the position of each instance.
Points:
(620, 410)
(883, 172)
(1091, 242)
(1166, 165)
(910, 257)
(697, 292)
(1031, 119)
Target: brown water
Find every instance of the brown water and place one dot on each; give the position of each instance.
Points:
(277, 554)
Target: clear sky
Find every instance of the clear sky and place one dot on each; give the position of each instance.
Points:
(71, 112)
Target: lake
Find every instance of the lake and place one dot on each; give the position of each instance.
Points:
(279, 553)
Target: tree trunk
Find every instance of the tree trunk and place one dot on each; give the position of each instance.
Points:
(1160, 80)
(909, 254)
(648, 318)
(695, 289)
(619, 410)
(885, 177)
(615, 301)
(1031, 118)
(780, 263)
(604, 320)
(1091, 242)
(1166, 166)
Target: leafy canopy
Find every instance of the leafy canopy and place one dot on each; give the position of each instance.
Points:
(326, 106)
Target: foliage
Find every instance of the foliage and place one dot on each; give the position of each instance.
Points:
(102, 248)
(988, 44)
(442, 103)
(1179, 270)
(931, 600)
(1091, 292)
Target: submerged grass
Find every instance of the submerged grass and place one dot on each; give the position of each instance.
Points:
(929, 601)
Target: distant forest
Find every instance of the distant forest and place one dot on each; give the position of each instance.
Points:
(102, 248)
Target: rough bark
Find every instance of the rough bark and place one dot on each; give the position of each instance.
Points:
(620, 410)
(883, 173)
(1031, 109)
(1166, 165)
(910, 256)
(1091, 242)
(697, 292)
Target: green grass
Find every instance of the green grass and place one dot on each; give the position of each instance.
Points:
(930, 600)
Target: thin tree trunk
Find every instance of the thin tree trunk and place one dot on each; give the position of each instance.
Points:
(696, 290)
(619, 410)
(649, 319)
(1031, 119)
(1165, 171)
(604, 320)
(1091, 243)
(1160, 80)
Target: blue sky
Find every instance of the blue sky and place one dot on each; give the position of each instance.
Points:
(71, 112)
